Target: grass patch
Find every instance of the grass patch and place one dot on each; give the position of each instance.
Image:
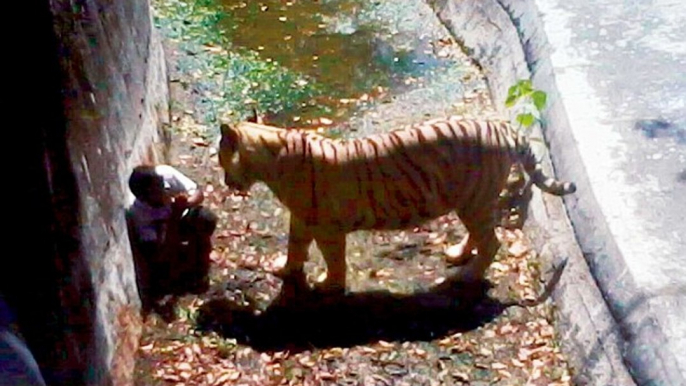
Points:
(226, 79)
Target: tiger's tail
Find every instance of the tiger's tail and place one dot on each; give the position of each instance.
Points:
(538, 177)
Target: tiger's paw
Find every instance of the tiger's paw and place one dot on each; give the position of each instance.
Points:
(460, 253)
(328, 295)
(330, 290)
(294, 287)
(470, 293)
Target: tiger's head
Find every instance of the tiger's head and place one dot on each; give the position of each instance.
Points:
(235, 174)
(246, 153)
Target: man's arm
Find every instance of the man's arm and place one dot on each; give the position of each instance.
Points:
(196, 198)
(186, 192)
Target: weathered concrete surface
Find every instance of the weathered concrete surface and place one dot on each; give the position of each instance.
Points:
(615, 125)
(95, 84)
(618, 67)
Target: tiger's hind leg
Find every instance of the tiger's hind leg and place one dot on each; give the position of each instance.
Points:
(481, 228)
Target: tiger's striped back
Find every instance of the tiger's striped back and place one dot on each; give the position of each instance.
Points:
(391, 180)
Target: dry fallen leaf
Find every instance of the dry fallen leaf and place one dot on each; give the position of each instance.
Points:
(306, 361)
(436, 238)
(518, 249)
(419, 352)
(227, 375)
(385, 344)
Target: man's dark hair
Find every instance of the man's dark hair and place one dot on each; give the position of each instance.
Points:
(142, 178)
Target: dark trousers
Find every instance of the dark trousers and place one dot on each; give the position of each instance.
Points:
(185, 269)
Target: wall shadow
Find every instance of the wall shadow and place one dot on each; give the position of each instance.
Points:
(46, 281)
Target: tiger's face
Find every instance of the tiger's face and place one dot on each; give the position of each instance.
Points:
(235, 174)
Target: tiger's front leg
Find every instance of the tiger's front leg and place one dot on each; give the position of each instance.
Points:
(332, 246)
(294, 280)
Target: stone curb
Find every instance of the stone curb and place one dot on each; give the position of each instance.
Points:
(608, 343)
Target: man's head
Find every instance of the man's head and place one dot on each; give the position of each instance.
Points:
(147, 185)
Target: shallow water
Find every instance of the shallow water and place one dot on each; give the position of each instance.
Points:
(352, 49)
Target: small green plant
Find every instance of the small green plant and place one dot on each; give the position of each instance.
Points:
(527, 102)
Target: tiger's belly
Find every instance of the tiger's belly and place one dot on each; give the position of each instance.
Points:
(345, 205)
(353, 216)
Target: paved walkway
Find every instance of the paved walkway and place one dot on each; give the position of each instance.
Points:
(620, 68)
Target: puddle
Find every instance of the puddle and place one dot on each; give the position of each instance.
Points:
(354, 50)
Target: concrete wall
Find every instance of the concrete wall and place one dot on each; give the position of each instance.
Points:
(505, 38)
(99, 106)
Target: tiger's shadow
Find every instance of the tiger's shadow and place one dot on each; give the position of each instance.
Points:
(357, 318)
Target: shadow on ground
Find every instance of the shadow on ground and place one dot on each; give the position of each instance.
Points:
(358, 318)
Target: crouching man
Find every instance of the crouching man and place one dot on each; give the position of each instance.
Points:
(170, 233)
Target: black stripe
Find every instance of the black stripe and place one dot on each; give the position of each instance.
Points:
(307, 154)
(378, 184)
(401, 205)
(474, 172)
(417, 186)
(362, 185)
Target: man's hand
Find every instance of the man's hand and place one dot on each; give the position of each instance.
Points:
(179, 204)
(196, 198)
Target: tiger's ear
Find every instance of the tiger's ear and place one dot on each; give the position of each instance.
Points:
(254, 118)
(225, 129)
(229, 135)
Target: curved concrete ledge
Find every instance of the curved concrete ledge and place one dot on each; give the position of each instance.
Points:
(621, 341)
